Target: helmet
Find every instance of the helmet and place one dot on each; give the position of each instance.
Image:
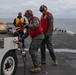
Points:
(42, 8)
(19, 14)
(28, 13)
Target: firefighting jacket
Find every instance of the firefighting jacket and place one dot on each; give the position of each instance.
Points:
(35, 30)
(47, 23)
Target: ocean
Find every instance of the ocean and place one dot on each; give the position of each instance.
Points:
(65, 24)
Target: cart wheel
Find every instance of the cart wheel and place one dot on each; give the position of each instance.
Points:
(9, 64)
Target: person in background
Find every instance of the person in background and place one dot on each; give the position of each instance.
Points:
(47, 25)
(35, 31)
(19, 22)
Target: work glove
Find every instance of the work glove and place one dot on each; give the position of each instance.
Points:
(21, 40)
(47, 35)
(26, 26)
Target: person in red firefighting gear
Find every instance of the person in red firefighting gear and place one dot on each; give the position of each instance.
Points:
(47, 25)
(35, 31)
(19, 22)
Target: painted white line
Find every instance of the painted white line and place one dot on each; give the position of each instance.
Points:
(65, 50)
(55, 50)
(59, 50)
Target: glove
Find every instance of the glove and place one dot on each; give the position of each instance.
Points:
(21, 40)
(47, 35)
(26, 26)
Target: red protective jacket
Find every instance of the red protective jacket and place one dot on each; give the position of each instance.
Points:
(35, 31)
(45, 22)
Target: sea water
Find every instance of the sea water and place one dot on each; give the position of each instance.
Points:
(65, 24)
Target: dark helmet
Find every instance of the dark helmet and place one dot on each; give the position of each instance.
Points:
(19, 14)
(42, 8)
(28, 13)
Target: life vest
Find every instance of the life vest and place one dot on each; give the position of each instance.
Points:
(44, 22)
(35, 31)
(20, 23)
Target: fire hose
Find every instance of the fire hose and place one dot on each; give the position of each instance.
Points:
(24, 58)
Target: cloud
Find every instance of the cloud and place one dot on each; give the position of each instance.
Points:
(68, 5)
(57, 7)
(30, 3)
(7, 8)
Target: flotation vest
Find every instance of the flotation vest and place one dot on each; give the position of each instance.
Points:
(35, 31)
(44, 22)
(20, 23)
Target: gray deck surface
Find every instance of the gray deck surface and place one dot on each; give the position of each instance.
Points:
(67, 60)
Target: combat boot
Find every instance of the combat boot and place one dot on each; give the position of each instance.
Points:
(55, 63)
(35, 70)
(43, 62)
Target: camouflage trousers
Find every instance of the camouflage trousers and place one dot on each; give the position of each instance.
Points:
(48, 43)
(33, 50)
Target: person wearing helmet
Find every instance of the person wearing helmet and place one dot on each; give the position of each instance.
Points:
(47, 25)
(19, 22)
(35, 31)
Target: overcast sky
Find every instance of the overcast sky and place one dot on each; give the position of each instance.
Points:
(59, 8)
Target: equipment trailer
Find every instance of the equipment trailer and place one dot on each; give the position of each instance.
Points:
(8, 57)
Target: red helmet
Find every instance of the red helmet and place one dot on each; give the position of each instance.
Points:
(28, 13)
(42, 8)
